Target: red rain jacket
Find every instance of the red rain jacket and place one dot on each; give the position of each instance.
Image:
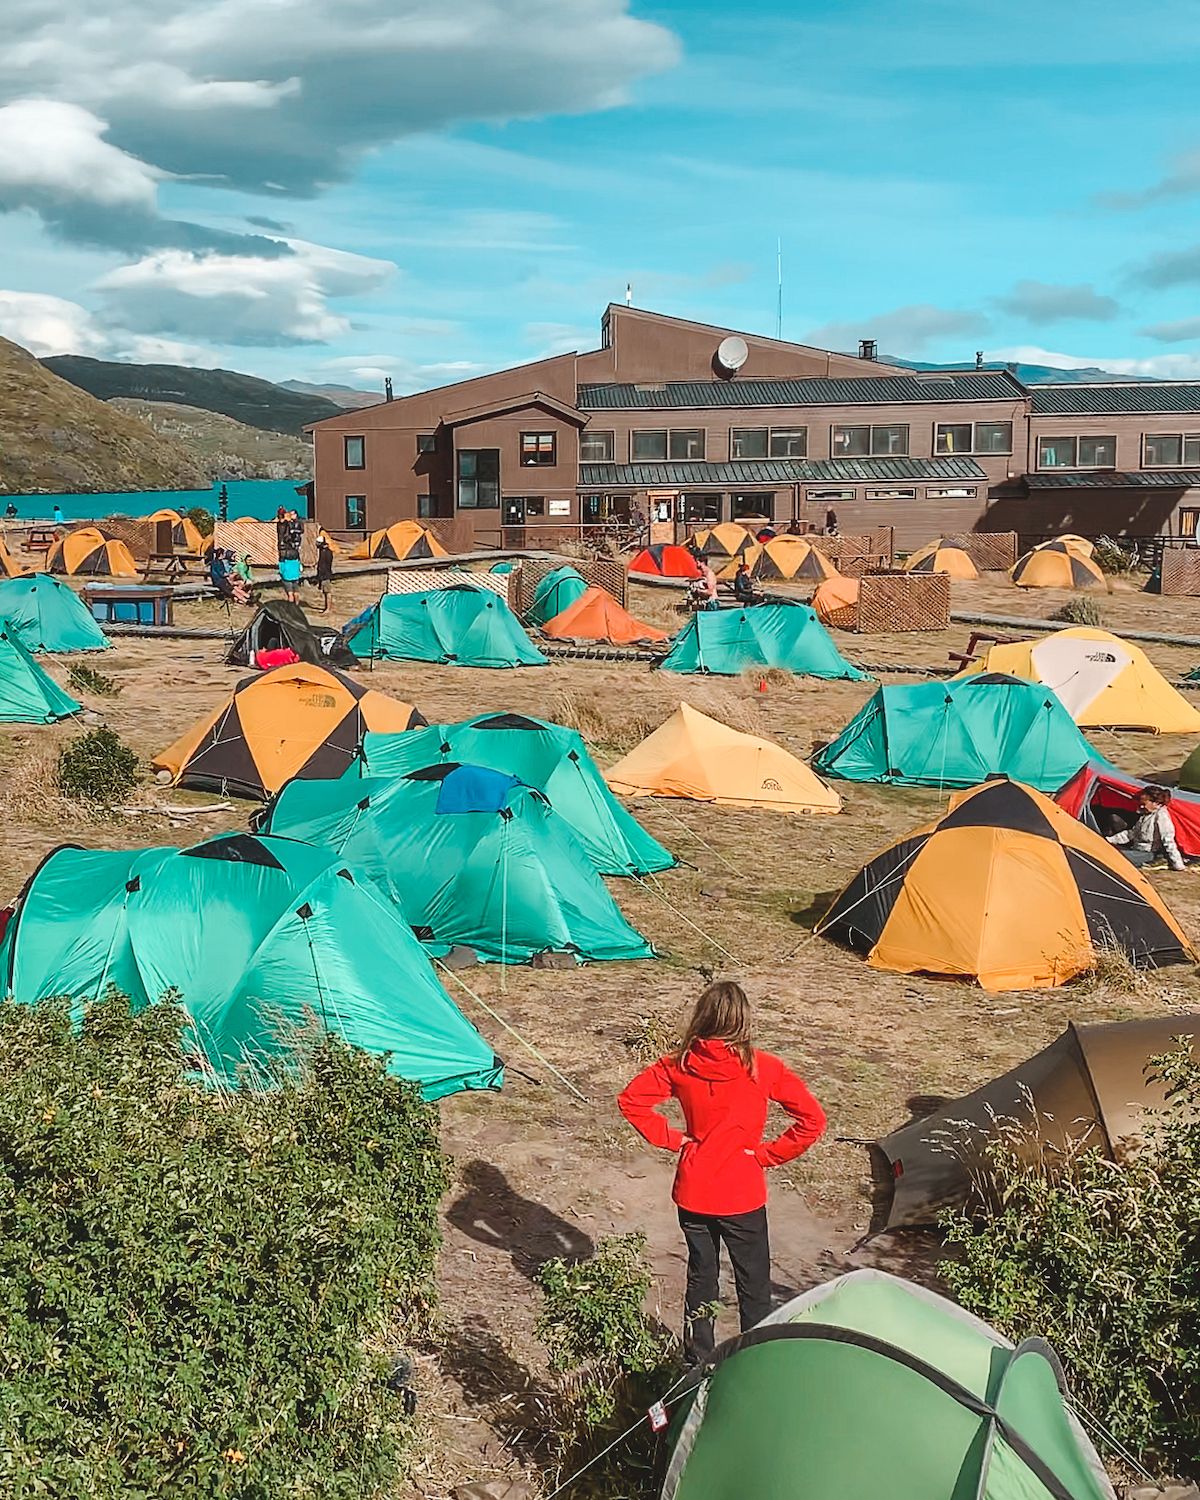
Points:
(723, 1154)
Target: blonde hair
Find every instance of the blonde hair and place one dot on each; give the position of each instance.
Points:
(722, 1013)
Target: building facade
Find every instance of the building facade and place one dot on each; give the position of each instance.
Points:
(701, 424)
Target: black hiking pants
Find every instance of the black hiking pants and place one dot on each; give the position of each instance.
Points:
(747, 1245)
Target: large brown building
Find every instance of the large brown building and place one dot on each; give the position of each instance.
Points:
(668, 416)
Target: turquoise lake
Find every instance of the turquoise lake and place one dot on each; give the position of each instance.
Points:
(247, 497)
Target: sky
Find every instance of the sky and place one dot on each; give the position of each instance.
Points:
(428, 189)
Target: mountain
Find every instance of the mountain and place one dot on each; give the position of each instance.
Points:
(1034, 374)
(348, 397)
(55, 438)
(245, 398)
(225, 449)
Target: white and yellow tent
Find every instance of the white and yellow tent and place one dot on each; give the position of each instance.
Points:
(693, 756)
(1101, 680)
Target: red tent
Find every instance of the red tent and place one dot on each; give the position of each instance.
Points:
(1099, 788)
(666, 560)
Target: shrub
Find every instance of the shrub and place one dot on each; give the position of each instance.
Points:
(1079, 611)
(85, 679)
(1101, 1258)
(96, 767)
(188, 1281)
(202, 519)
(1111, 557)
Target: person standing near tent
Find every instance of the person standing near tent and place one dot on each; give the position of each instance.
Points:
(324, 573)
(724, 1085)
(1153, 833)
(289, 532)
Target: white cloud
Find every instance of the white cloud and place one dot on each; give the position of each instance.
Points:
(902, 331)
(240, 299)
(50, 325)
(1158, 366)
(54, 150)
(1043, 302)
(1179, 331)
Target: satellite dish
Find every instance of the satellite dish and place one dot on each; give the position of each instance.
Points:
(732, 354)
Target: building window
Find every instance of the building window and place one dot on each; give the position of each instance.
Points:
(685, 443)
(759, 507)
(426, 442)
(535, 505)
(355, 452)
(434, 507)
(596, 447)
(851, 442)
(823, 497)
(979, 437)
(889, 441)
(539, 450)
(1056, 453)
(648, 447)
(479, 478)
(705, 508)
(1167, 450)
(748, 442)
(789, 442)
(1097, 452)
(950, 492)
(356, 512)
(891, 494)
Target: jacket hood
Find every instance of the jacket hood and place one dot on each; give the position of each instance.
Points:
(713, 1060)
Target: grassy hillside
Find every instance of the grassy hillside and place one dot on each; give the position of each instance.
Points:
(225, 449)
(347, 396)
(55, 438)
(247, 399)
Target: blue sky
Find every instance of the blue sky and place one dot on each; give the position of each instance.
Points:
(432, 188)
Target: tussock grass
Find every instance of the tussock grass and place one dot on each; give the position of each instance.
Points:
(604, 716)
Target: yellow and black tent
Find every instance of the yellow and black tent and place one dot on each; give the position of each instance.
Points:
(10, 567)
(1057, 565)
(300, 720)
(942, 557)
(722, 543)
(91, 552)
(1007, 888)
(398, 543)
(184, 531)
(792, 557)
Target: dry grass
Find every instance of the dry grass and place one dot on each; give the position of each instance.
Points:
(603, 715)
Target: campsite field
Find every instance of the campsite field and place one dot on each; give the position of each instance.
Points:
(538, 1171)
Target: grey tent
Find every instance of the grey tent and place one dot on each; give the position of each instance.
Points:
(1089, 1084)
(280, 625)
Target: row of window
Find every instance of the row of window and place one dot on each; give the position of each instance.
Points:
(1160, 450)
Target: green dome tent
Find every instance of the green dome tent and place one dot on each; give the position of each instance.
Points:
(871, 1386)
(1189, 772)
(27, 694)
(470, 856)
(555, 592)
(730, 641)
(548, 757)
(463, 625)
(250, 932)
(49, 615)
(957, 734)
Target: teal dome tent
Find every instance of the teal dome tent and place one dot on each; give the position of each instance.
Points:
(549, 757)
(870, 1386)
(470, 856)
(554, 593)
(727, 642)
(28, 695)
(255, 935)
(461, 625)
(49, 615)
(957, 733)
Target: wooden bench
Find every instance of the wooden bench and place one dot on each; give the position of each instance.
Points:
(172, 565)
(963, 659)
(40, 538)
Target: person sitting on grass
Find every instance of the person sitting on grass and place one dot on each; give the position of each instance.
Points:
(1152, 835)
(218, 572)
(743, 585)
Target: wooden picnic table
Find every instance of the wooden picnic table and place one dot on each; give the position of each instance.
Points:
(40, 538)
(172, 565)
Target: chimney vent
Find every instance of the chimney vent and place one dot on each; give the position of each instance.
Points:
(387, 388)
(868, 349)
(979, 359)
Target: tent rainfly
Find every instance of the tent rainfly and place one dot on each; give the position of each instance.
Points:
(555, 591)
(461, 626)
(730, 641)
(1057, 565)
(49, 615)
(833, 596)
(693, 756)
(942, 557)
(28, 695)
(185, 533)
(256, 935)
(1098, 793)
(471, 857)
(400, 542)
(1089, 1087)
(10, 567)
(793, 557)
(723, 542)
(89, 551)
(665, 560)
(548, 757)
(596, 616)
(870, 1386)
(279, 625)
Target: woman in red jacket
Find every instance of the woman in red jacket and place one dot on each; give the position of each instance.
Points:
(724, 1086)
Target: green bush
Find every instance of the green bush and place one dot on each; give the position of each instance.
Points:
(1079, 611)
(96, 767)
(85, 679)
(202, 519)
(1102, 1259)
(1111, 557)
(189, 1282)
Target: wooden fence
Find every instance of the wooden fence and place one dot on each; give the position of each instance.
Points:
(893, 603)
(990, 551)
(600, 572)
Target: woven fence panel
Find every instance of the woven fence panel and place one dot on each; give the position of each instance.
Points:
(425, 580)
(854, 555)
(896, 602)
(138, 536)
(258, 538)
(990, 551)
(1181, 570)
(845, 618)
(598, 572)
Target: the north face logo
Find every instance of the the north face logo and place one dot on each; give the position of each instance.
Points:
(771, 785)
(1100, 656)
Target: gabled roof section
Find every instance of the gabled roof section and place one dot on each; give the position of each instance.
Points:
(1113, 479)
(778, 471)
(1134, 396)
(504, 404)
(865, 390)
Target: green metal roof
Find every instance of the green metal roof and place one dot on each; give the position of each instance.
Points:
(862, 390)
(777, 471)
(1111, 479)
(1134, 396)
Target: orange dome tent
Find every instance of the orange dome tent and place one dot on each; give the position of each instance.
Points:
(400, 542)
(1057, 565)
(1078, 543)
(792, 557)
(942, 557)
(665, 560)
(184, 532)
(596, 616)
(835, 595)
(89, 551)
(9, 566)
(723, 542)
